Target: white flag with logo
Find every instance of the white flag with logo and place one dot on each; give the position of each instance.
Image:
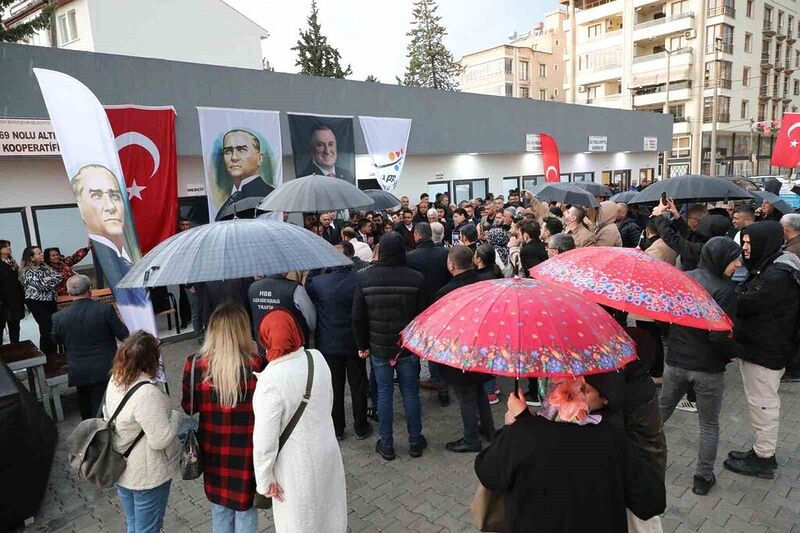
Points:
(386, 140)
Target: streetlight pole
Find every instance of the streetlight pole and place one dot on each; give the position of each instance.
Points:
(665, 160)
(713, 171)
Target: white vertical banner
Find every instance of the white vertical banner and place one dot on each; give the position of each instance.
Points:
(387, 139)
(92, 163)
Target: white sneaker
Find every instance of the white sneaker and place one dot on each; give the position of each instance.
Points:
(686, 405)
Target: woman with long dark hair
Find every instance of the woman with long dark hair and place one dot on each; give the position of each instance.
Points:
(40, 283)
(60, 263)
(12, 295)
(486, 263)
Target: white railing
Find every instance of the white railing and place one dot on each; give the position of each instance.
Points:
(663, 20)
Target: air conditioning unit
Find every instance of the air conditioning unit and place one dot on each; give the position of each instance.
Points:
(690, 34)
(581, 89)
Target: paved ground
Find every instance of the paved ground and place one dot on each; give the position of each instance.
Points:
(432, 494)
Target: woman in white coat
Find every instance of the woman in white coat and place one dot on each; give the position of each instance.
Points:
(306, 479)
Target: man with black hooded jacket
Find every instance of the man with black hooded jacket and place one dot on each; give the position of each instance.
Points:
(765, 335)
(675, 231)
(698, 357)
(387, 297)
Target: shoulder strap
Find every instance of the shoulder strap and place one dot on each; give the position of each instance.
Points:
(125, 400)
(300, 408)
(191, 386)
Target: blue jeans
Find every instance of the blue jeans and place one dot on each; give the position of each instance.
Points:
(407, 369)
(490, 386)
(144, 509)
(373, 386)
(224, 520)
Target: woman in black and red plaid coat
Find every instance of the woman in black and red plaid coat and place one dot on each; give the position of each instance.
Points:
(223, 395)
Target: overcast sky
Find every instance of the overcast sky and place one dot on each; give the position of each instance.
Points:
(370, 34)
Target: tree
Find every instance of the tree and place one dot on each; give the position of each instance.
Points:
(430, 63)
(315, 56)
(372, 79)
(22, 31)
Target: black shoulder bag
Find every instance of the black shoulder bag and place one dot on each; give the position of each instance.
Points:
(191, 455)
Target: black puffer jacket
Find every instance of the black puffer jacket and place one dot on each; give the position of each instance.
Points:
(630, 232)
(700, 349)
(688, 243)
(768, 301)
(388, 296)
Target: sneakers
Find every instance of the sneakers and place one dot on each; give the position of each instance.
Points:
(462, 446)
(367, 432)
(416, 450)
(387, 452)
(532, 399)
(749, 464)
(686, 405)
(493, 399)
(701, 485)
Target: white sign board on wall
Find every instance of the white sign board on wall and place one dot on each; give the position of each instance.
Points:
(650, 144)
(597, 143)
(25, 137)
(532, 142)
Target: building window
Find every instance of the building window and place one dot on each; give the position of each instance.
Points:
(542, 94)
(681, 146)
(591, 94)
(746, 76)
(555, 93)
(675, 43)
(723, 113)
(748, 42)
(678, 112)
(524, 92)
(745, 110)
(796, 87)
(676, 8)
(750, 8)
(67, 27)
(723, 32)
(797, 58)
(542, 70)
(762, 111)
(509, 89)
(594, 30)
(767, 15)
(523, 70)
(509, 66)
(555, 67)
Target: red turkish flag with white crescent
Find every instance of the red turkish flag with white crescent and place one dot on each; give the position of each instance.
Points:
(552, 168)
(145, 138)
(786, 151)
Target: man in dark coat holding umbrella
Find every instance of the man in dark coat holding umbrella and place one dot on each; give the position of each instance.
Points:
(476, 414)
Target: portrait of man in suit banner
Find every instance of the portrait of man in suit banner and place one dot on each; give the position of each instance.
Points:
(323, 145)
(103, 209)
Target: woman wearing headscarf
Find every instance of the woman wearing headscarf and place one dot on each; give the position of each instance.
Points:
(305, 478)
(569, 468)
(499, 238)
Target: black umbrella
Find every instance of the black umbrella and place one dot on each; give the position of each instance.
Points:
(779, 204)
(623, 197)
(566, 193)
(691, 189)
(315, 194)
(382, 199)
(597, 189)
(244, 208)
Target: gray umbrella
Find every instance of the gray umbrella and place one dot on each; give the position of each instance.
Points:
(382, 199)
(566, 193)
(244, 208)
(232, 249)
(314, 194)
(777, 202)
(596, 189)
(691, 189)
(623, 197)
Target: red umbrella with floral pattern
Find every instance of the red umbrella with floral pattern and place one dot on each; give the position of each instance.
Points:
(633, 281)
(519, 328)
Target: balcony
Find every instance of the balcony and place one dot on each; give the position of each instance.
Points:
(654, 95)
(611, 39)
(650, 66)
(723, 83)
(763, 92)
(778, 65)
(727, 11)
(663, 26)
(596, 10)
(786, 99)
(790, 37)
(767, 29)
(721, 117)
(781, 33)
(788, 67)
(725, 48)
(766, 62)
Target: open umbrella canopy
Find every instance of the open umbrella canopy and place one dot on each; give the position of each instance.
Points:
(381, 199)
(780, 205)
(692, 189)
(232, 249)
(631, 280)
(519, 328)
(314, 194)
(623, 197)
(596, 189)
(566, 193)
(244, 208)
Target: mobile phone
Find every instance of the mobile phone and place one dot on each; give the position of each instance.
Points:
(664, 198)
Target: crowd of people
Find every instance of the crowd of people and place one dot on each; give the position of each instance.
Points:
(256, 359)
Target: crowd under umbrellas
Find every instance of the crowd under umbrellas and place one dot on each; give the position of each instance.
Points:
(561, 326)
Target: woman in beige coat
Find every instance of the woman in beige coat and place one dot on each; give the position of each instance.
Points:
(606, 231)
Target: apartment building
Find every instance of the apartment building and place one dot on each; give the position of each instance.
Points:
(624, 53)
(530, 65)
(197, 31)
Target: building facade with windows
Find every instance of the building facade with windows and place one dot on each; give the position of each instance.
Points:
(622, 54)
(198, 31)
(530, 65)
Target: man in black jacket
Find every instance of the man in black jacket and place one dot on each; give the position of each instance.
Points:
(533, 250)
(406, 228)
(88, 329)
(388, 296)
(677, 233)
(765, 336)
(697, 357)
(476, 414)
(628, 229)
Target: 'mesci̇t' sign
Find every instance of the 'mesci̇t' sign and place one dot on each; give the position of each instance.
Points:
(27, 137)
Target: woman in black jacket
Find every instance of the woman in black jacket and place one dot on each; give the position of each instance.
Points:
(570, 476)
(12, 295)
(486, 263)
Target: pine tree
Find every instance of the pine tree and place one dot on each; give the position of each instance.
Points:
(430, 63)
(372, 79)
(315, 56)
(20, 32)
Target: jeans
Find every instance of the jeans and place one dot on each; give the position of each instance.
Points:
(490, 386)
(352, 369)
(709, 389)
(761, 389)
(144, 509)
(13, 326)
(224, 520)
(436, 376)
(407, 369)
(43, 315)
(189, 300)
(373, 386)
(474, 406)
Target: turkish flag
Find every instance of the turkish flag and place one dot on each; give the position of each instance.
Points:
(786, 151)
(552, 169)
(145, 138)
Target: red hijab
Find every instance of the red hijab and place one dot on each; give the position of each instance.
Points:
(279, 334)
